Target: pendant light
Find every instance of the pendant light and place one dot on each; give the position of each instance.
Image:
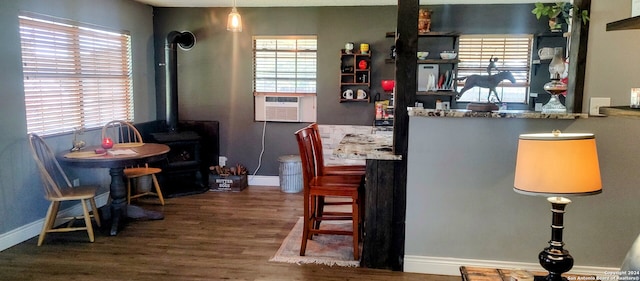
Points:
(234, 21)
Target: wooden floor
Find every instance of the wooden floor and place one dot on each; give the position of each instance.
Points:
(210, 236)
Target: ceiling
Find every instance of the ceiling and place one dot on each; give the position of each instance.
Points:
(309, 3)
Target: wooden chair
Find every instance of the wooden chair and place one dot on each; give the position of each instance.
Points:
(124, 134)
(335, 170)
(317, 186)
(58, 188)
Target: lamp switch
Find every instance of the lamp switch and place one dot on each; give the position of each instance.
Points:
(76, 182)
(596, 103)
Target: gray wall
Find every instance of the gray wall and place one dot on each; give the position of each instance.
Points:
(460, 202)
(21, 195)
(215, 77)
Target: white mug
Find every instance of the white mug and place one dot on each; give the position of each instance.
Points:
(348, 94)
(362, 94)
(348, 47)
(545, 53)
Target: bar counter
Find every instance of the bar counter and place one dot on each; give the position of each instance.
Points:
(383, 239)
(369, 146)
(524, 114)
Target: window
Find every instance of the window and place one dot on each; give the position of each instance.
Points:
(75, 76)
(285, 78)
(513, 53)
(285, 65)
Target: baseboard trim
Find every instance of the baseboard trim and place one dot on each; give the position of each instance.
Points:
(28, 231)
(451, 266)
(264, 180)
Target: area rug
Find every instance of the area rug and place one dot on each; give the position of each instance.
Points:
(332, 250)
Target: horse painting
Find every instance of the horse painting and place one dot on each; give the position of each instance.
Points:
(486, 81)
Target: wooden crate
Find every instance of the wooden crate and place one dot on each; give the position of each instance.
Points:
(227, 183)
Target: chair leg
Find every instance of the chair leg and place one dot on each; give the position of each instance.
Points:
(48, 221)
(158, 191)
(87, 220)
(306, 225)
(129, 191)
(319, 209)
(96, 215)
(356, 229)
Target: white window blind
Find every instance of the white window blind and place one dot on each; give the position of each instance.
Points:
(285, 64)
(514, 55)
(74, 76)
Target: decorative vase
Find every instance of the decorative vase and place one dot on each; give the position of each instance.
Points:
(554, 25)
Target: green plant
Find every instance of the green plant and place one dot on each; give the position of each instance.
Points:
(559, 10)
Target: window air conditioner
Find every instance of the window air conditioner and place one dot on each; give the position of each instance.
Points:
(282, 109)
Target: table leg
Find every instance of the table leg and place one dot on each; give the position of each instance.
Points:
(118, 199)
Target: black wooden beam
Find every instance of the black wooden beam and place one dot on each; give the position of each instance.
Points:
(406, 88)
(577, 59)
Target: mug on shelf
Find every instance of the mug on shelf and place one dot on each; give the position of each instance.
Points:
(347, 94)
(364, 48)
(348, 47)
(362, 94)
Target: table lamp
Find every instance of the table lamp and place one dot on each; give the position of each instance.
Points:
(557, 165)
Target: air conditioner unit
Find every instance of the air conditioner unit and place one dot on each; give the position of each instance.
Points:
(282, 109)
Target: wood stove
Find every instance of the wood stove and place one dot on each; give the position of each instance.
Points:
(194, 144)
(194, 148)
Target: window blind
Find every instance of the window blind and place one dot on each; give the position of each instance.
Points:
(514, 55)
(285, 64)
(74, 76)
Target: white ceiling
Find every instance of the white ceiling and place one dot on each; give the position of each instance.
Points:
(305, 3)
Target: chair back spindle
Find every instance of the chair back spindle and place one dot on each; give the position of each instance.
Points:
(53, 177)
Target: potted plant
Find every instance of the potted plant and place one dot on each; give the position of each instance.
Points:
(559, 13)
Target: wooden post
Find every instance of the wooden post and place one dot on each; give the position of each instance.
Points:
(577, 58)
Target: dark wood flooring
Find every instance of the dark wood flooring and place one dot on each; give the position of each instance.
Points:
(209, 236)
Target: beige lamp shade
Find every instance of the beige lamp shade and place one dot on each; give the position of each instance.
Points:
(557, 164)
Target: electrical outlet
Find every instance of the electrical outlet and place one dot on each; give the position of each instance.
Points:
(533, 95)
(222, 161)
(596, 103)
(538, 106)
(76, 182)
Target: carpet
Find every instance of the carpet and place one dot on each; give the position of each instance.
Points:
(332, 250)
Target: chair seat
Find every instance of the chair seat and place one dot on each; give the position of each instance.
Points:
(336, 181)
(75, 193)
(141, 171)
(344, 170)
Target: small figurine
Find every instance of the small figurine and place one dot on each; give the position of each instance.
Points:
(77, 143)
(424, 21)
(492, 65)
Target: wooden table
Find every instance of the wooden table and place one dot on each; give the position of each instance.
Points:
(140, 154)
(469, 273)
(383, 241)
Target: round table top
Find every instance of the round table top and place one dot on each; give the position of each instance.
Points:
(117, 157)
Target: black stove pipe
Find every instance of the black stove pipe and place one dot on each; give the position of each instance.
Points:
(186, 40)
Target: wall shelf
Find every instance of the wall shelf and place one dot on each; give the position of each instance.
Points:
(624, 111)
(625, 24)
(449, 93)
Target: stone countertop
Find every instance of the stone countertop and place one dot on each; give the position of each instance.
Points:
(424, 112)
(366, 146)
